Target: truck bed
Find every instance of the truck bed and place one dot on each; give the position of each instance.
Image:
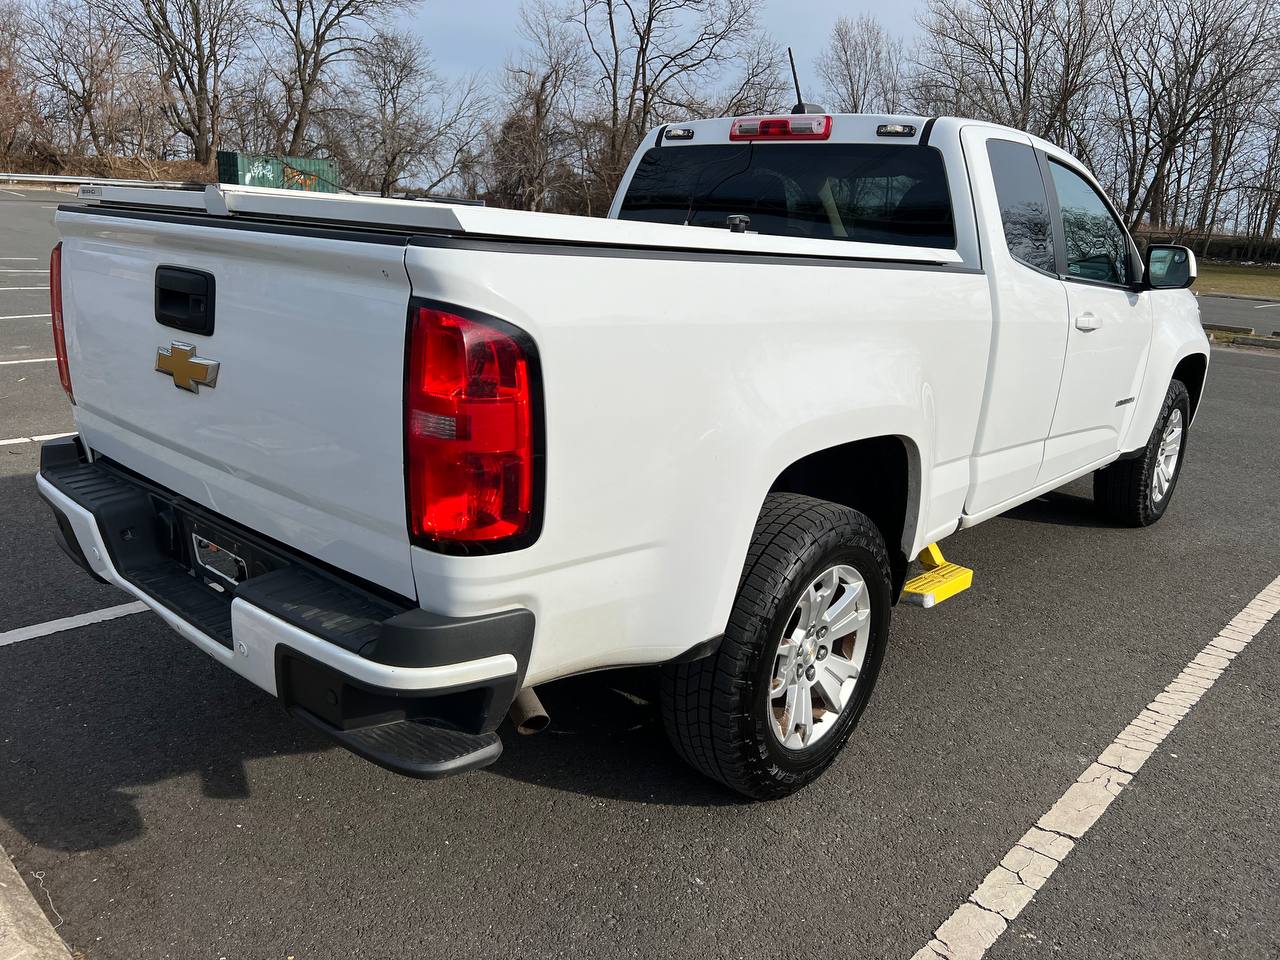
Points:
(359, 212)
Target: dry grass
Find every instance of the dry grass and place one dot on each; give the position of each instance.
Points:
(114, 168)
(1249, 281)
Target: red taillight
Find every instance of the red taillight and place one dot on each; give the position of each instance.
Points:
(469, 430)
(55, 313)
(799, 127)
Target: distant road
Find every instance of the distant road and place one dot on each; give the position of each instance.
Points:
(1262, 315)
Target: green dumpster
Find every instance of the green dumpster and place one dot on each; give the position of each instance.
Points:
(291, 173)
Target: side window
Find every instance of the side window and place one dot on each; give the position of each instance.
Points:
(1097, 246)
(1024, 204)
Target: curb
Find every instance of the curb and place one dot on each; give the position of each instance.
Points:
(25, 932)
(1271, 343)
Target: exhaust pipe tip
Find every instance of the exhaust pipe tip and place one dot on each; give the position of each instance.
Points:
(527, 713)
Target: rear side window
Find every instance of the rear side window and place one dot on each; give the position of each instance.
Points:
(1024, 203)
(870, 192)
(1097, 246)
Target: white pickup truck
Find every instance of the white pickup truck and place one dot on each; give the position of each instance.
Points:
(396, 462)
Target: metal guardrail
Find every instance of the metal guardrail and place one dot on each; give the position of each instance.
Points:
(55, 180)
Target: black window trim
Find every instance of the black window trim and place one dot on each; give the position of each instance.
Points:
(1050, 199)
(1059, 233)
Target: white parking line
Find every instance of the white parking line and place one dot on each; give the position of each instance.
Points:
(40, 439)
(6, 363)
(70, 623)
(23, 259)
(14, 193)
(29, 316)
(1264, 306)
(2, 289)
(976, 924)
(12, 270)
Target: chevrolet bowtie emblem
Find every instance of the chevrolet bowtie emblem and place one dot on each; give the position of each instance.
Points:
(188, 371)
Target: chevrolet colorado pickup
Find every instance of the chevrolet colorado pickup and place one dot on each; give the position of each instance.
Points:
(396, 462)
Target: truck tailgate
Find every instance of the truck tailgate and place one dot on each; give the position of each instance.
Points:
(301, 437)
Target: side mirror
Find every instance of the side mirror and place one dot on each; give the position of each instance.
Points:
(1169, 267)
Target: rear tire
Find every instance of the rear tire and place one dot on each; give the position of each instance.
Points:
(809, 625)
(1136, 492)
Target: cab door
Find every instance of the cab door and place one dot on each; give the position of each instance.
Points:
(1108, 328)
(1029, 338)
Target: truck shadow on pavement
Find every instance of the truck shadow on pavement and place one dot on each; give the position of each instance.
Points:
(606, 740)
(1060, 509)
(96, 716)
(102, 717)
(94, 721)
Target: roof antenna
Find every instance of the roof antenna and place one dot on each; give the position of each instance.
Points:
(801, 106)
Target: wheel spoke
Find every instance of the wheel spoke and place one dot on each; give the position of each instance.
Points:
(850, 621)
(832, 674)
(802, 718)
(805, 607)
(836, 611)
(787, 725)
(783, 667)
(825, 589)
(841, 668)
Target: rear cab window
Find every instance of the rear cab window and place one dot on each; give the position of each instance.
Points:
(1024, 204)
(866, 192)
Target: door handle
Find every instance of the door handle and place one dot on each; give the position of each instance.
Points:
(1086, 321)
(184, 299)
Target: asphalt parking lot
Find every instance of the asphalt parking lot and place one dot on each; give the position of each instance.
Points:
(173, 810)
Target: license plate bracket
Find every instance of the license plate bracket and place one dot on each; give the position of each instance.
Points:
(221, 559)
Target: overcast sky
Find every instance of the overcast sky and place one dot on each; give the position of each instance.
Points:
(469, 35)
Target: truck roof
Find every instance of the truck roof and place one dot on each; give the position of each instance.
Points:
(845, 128)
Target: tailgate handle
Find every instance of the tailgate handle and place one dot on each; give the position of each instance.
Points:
(184, 299)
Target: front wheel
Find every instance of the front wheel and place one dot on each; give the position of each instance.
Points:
(1136, 492)
(770, 710)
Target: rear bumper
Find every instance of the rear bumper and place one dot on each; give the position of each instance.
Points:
(350, 661)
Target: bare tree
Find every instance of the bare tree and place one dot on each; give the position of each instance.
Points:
(1029, 64)
(78, 55)
(21, 121)
(313, 36)
(760, 84)
(648, 60)
(195, 45)
(1175, 65)
(398, 120)
(862, 68)
(530, 147)
(255, 119)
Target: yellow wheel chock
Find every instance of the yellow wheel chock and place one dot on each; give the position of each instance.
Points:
(940, 580)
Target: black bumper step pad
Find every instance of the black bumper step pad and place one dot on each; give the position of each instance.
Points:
(344, 617)
(175, 589)
(415, 748)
